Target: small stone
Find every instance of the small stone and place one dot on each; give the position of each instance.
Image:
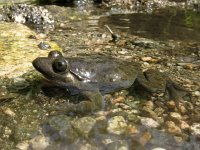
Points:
(184, 125)
(171, 127)
(149, 122)
(145, 64)
(23, 146)
(196, 93)
(7, 132)
(132, 130)
(44, 45)
(145, 138)
(39, 142)
(149, 113)
(117, 125)
(195, 129)
(146, 58)
(150, 105)
(190, 66)
(175, 115)
(182, 109)
(171, 104)
(119, 99)
(9, 112)
(158, 148)
(19, 84)
(159, 111)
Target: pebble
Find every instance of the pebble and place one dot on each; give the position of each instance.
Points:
(9, 112)
(39, 142)
(182, 109)
(150, 105)
(171, 104)
(145, 138)
(196, 93)
(149, 122)
(195, 129)
(117, 125)
(171, 127)
(175, 116)
(159, 111)
(119, 99)
(158, 148)
(44, 46)
(184, 125)
(146, 58)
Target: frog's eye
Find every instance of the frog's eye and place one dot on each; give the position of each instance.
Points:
(54, 54)
(60, 65)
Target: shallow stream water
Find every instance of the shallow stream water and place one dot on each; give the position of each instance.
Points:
(166, 35)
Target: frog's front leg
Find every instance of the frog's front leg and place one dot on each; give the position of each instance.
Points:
(94, 103)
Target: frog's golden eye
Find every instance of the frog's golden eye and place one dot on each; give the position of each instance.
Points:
(54, 54)
(60, 65)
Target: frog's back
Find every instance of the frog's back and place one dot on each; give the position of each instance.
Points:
(105, 73)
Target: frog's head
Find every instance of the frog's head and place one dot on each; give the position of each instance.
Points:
(54, 67)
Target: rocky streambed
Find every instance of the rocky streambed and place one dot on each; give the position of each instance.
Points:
(134, 119)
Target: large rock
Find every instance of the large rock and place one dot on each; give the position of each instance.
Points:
(17, 1)
(17, 50)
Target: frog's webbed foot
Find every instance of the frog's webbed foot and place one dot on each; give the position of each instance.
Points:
(94, 103)
(175, 91)
(157, 82)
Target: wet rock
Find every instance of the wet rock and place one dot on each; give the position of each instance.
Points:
(195, 129)
(171, 127)
(84, 125)
(22, 13)
(117, 125)
(17, 50)
(149, 122)
(145, 43)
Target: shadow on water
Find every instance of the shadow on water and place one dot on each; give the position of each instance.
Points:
(165, 24)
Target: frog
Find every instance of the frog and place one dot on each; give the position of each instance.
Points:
(96, 75)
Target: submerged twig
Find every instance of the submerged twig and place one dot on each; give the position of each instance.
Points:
(114, 36)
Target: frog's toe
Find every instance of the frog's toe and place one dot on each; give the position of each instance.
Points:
(175, 91)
